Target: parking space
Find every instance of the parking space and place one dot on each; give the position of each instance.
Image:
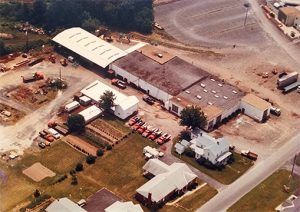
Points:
(210, 23)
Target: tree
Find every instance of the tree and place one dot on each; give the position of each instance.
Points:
(3, 49)
(79, 167)
(39, 12)
(76, 123)
(185, 135)
(90, 159)
(108, 147)
(100, 152)
(36, 193)
(107, 100)
(90, 24)
(193, 117)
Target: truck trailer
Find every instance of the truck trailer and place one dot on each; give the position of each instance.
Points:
(33, 77)
(287, 80)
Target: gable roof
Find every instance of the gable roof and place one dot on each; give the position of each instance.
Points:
(214, 146)
(177, 177)
(256, 102)
(155, 167)
(89, 46)
(124, 207)
(64, 205)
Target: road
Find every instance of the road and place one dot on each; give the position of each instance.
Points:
(290, 48)
(232, 193)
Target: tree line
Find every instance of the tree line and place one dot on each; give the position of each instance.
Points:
(125, 15)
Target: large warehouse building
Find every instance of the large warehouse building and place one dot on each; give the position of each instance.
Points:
(88, 46)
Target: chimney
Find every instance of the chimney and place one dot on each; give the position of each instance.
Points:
(218, 142)
(149, 197)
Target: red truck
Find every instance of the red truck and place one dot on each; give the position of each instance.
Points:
(33, 77)
(250, 155)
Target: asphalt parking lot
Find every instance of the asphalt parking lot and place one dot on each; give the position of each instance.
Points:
(215, 23)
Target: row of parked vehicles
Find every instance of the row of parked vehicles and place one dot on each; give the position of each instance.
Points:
(148, 131)
(54, 132)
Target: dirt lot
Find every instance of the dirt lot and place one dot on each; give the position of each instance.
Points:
(15, 116)
(37, 172)
(215, 23)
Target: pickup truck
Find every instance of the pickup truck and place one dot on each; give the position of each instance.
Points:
(119, 83)
(250, 155)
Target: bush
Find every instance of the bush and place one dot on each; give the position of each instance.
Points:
(79, 167)
(190, 153)
(108, 147)
(100, 152)
(37, 201)
(74, 180)
(62, 178)
(37, 193)
(185, 135)
(90, 159)
(72, 172)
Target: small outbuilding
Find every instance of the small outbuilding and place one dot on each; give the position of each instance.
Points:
(64, 205)
(91, 113)
(72, 106)
(255, 107)
(124, 206)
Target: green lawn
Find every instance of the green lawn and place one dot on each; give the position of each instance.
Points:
(194, 201)
(269, 194)
(228, 175)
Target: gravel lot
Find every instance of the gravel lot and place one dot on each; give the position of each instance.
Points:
(215, 23)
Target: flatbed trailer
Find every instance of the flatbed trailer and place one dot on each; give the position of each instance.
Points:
(291, 87)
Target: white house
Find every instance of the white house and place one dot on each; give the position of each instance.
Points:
(255, 107)
(214, 150)
(125, 105)
(124, 207)
(167, 181)
(64, 205)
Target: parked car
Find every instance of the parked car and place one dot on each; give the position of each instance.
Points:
(155, 134)
(53, 132)
(275, 111)
(63, 62)
(250, 155)
(138, 125)
(49, 138)
(148, 132)
(133, 120)
(163, 138)
(149, 99)
(142, 128)
(42, 145)
(119, 83)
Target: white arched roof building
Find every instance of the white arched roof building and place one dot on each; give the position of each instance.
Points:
(89, 46)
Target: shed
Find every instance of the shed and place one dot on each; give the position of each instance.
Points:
(84, 100)
(91, 113)
(72, 106)
(255, 107)
(179, 148)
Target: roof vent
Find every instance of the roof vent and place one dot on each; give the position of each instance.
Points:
(225, 97)
(202, 85)
(205, 90)
(216, 96)
(178, 99)
(212, 79)
(187, 91)
(210, 103)
(213, 91)
(220, 85)
(199, 97)
(160, 55)
(234, 92)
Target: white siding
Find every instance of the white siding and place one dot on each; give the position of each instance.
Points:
(123, 114)
(228, 112)
(252, 111)
(147, 87)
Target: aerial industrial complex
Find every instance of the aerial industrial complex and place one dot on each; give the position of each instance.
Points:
(98, 120)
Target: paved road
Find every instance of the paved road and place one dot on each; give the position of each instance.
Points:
(253, 177)
(290, 47)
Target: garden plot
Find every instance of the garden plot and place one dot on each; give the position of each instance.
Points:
(38, 172)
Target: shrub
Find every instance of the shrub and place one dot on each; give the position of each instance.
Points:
(79, 167)
(185, 135)
(36, 193)
(90, 159)
(190, 153)
(108, 147)
(74, 180)
(100, 152)
(72, 172)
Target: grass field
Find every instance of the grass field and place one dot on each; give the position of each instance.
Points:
(228, 175)
(193, 201)
(269, 194)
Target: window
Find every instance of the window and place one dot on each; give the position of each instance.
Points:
(175, 108)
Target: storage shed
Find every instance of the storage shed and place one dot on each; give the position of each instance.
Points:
(255, 107)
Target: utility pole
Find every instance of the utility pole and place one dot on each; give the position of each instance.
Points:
(292, 172)
(26, 33)
(60, 74)
(247, 6)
